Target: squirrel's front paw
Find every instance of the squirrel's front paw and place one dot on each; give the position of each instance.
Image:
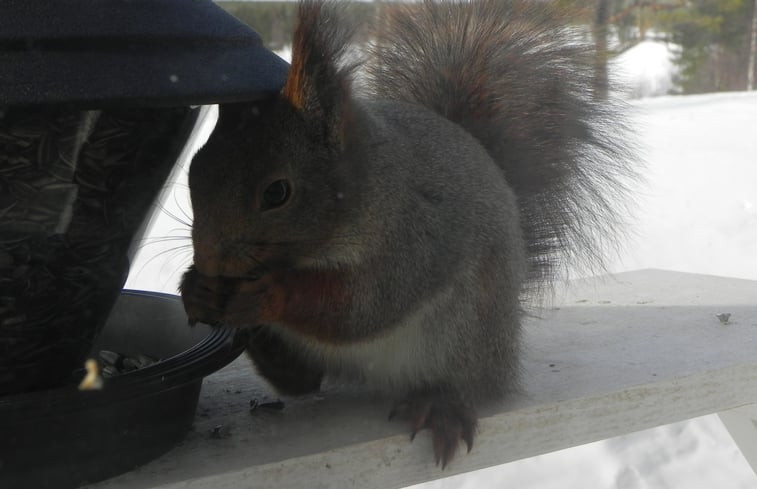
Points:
(449, 419)
(204, 297)
(218, 300)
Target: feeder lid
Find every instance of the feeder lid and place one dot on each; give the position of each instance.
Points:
(137, 52)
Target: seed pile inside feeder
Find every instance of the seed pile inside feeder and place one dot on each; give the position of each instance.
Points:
(74, 188)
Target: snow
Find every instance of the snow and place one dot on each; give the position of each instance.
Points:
(646, 70)
(697, 212)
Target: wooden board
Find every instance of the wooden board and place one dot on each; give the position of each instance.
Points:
(615, 355)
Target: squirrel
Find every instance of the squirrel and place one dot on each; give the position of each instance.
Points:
(386, 219)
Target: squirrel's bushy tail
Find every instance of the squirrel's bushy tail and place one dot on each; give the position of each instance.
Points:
(521, 82)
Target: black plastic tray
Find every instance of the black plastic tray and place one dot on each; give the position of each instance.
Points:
(64, 438)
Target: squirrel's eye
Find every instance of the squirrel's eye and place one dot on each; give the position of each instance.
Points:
(276, 194)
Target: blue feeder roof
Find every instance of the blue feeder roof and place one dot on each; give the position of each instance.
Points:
(130, 52)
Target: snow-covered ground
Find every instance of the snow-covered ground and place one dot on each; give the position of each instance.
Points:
(697, 212)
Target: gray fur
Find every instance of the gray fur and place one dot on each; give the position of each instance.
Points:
(442, 235)
(474, 167)
(522, 82)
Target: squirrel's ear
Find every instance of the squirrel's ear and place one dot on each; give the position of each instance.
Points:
(318, 84)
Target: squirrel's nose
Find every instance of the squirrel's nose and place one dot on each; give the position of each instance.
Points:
(207, 257)
(219, 258)
(207, 266)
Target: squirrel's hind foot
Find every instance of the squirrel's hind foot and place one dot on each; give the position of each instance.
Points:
(449, 419)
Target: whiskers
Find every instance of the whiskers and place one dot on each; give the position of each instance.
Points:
(160, 263)
(164, 256)
(166, 252)
(183, 215)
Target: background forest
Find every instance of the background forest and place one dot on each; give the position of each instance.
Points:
(714, 41)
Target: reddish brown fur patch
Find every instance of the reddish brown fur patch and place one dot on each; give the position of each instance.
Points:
(295, 87)
(314, 303)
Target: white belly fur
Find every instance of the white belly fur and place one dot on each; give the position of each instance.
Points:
(410, 354)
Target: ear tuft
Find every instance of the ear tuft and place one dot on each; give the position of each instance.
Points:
(318, 83)
(294, 88)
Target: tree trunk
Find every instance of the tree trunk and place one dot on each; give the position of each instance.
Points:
(601, 21)
(752, 49)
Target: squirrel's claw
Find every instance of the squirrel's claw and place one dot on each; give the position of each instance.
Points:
(449, 419)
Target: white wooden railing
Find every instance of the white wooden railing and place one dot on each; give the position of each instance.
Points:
(616, 355)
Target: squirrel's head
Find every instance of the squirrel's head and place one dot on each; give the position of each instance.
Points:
(272, 184)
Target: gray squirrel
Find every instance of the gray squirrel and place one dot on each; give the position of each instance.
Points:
(390, 231)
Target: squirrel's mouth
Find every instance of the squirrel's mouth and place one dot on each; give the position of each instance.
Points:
(239, 259)
(223, 300)
(206, 297)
